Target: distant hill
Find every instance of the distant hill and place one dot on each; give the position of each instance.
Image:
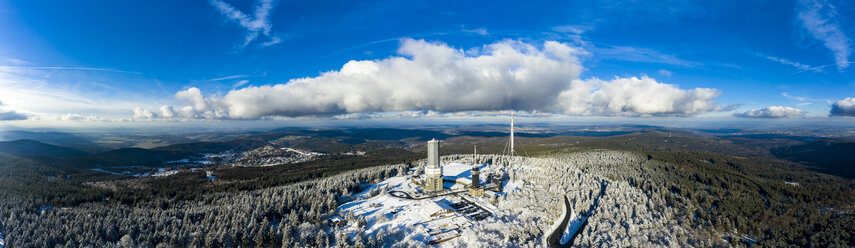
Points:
(32, 148)
(140, 156)
(831, 156)
(53, 138)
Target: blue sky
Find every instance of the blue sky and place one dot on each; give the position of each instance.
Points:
(121, 61)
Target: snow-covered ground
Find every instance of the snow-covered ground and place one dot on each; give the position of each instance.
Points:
(386, 213)
(159, 173)
(301, 152)
(572, 227)
(2, 240)
(210, 175)
(162, 172)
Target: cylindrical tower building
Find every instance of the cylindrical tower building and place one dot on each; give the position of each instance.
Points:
(433, 171)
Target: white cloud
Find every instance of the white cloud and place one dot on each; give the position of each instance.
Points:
(664, 72)
(820, 19)
(772, 112)
(427, 79)
(635, 96)
(11, 115)
(258, 24)
(140, 113)
(845, 107)
(353, 116)
(429, 76)
(167, 111)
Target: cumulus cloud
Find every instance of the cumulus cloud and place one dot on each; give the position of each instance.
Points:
(11, 115)
(820, 19)
(845, 107)
(427, 78)
(255, 25)
(772, 112)
(635, 96)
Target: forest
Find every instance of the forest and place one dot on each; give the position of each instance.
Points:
(630, 191)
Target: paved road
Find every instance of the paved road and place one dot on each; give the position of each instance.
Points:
(408, 196)
(554, 239)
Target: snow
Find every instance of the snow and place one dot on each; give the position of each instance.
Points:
(557, 223)
(510, 186)
(383, 211)
(162, 172)
(409, 211)
(2, 240)
(210, 175)
(791, 183)
(572, 227)
(304, 153)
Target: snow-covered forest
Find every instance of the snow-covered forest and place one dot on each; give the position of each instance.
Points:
(625, 199)
(624, 216)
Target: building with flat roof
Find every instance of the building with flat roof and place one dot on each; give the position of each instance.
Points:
(433, 209)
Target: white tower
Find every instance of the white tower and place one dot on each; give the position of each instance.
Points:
(433, 172)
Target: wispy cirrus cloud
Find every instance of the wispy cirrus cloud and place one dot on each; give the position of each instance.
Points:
(820, 19)
(479, 31)
(8, 68)
(258, 24)
(229, 77)
(797, 65)
(803, 100)
(637, 54)
(573, 29)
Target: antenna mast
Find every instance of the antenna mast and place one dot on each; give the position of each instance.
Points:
(512, 139)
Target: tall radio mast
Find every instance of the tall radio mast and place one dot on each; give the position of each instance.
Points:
(512, 139)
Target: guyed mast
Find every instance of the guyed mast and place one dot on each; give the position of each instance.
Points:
(510, 148)
(512, 140)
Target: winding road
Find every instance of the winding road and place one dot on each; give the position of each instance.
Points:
(554, 239)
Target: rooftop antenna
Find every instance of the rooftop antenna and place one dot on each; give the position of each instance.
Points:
(475, 157)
